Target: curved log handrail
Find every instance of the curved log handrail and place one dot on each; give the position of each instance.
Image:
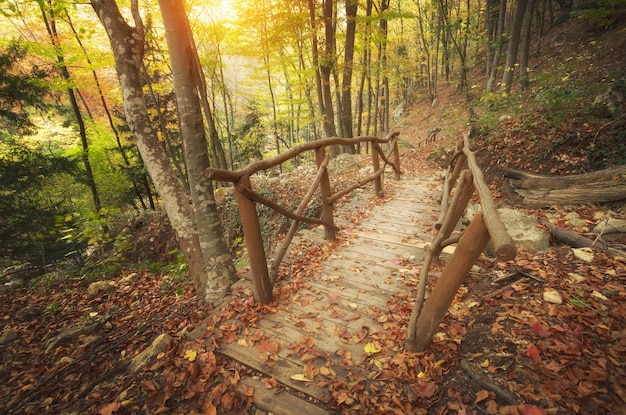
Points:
(502, 241)
(234, 176)
(263, 279)
(486, 225)
(252, 195)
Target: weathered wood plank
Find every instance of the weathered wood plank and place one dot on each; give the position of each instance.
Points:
(280, 402)
(339, 306)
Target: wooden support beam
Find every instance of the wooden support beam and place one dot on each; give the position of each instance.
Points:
(396, 158)
(261, 283)
(461, 197)
(378, 181)
(502, 241)
(471, 244)
(327, 208)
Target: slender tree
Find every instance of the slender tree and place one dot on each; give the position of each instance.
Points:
(213, 278)
(513, 45)
(48, 14)
(348, 62)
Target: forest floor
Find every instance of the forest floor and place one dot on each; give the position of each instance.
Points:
(558, 358)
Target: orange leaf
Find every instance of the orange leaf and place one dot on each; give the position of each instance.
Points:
(481, 396)
(109, 409)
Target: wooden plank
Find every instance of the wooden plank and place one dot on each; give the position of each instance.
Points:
(281, 370)
(339, 305)
(281, 402)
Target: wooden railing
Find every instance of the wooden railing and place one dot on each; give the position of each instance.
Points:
(485, 226)
(263, 279)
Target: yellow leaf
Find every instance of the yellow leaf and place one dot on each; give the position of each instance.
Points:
(191, 355)
(160, 355)
(353, 305)
(439, 363)
(377, 363)
(485, 364)
(371, 348)
(421, 375)
(300, 377)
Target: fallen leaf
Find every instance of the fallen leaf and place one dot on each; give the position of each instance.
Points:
(109, 408)
(371, 348)
(191, 355)
(533, 353)
(481, 396)
(300, 378)
(541, 329)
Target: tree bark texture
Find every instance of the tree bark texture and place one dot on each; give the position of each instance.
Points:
(219, 272)
(602, 186)
(127, 43)
(514, 41)
(470, 246)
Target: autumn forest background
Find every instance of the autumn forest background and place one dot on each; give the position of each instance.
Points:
(112, 110)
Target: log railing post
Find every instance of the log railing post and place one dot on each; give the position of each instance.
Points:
(261, 283)
(471, 244)
(327, 206)
(396, 157)
(378, 181)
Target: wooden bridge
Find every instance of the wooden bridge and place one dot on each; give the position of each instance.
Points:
(325, 338)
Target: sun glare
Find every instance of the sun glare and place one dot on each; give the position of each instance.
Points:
(215, 10)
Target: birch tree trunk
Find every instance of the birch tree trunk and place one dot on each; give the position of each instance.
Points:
(219, 272)
(127, 43)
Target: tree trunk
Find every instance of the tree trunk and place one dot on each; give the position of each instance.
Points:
(127, 43)
(50, 23)
(327, 62)
(219, 272)
(346, 84)
(498, 42)
(315, 57)
(537, 191)
(525, 52)
(514, 41)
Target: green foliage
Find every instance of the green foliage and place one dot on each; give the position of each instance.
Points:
(21, 89)
(174, 275)
(613, 155)
(29, 202)
(557, 101)
(91, 237)
(602, 13)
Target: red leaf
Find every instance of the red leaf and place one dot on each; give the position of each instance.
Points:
(427, 390)
(533, 353)
(541, 329)
(532, 410)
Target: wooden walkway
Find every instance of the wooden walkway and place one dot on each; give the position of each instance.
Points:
(322, 330)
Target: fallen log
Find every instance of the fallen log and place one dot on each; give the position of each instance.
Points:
(532, 190)
(574, 239)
